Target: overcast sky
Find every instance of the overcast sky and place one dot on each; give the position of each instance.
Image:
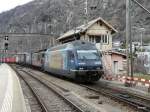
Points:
(9, 4)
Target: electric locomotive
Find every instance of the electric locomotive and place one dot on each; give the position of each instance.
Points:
(78, 60)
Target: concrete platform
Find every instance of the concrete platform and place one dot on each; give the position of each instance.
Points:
(11, 96)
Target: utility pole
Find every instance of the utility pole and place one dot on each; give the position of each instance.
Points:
(128, 31)
(128, 34)
(86, 12)
(129, 42)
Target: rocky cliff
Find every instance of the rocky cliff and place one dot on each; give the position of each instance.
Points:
(57, 16)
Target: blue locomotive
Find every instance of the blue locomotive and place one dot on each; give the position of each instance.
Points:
(78, 60)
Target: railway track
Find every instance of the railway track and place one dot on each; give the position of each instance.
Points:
(34, 101)
(139, 103)
(132, 100)
(50, 99)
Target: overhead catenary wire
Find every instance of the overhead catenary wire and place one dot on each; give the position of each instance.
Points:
(128, 32)
(135, 1)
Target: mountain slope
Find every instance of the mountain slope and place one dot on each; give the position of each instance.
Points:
(57, 16)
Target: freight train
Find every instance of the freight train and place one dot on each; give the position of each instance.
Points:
(78, 60)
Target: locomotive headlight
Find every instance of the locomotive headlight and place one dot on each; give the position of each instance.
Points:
(82, 63)
(98, 63)
(98, 68)
(81, 68)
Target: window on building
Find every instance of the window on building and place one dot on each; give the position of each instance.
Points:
(6, 46)
(6, 37)
(105, 39)
(101, 24)
(92, 38)
(84, 38)
(102, 41)
(99, 39)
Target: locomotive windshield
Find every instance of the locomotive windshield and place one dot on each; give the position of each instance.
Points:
(88, 55)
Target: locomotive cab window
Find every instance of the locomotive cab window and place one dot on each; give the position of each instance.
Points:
(71, 55)
(87, 55)
(71, 60)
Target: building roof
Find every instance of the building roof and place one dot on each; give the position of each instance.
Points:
(84, 27)
(118, 53)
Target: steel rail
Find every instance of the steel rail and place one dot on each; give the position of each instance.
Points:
(142, 97)
(119, 97)
(55, 91)
(40, 102)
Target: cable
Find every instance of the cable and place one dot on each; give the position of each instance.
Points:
(135, 1)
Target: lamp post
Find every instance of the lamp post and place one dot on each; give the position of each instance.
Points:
(86, 12)
(128, 32)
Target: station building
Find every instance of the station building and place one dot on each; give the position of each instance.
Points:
(99, 32)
